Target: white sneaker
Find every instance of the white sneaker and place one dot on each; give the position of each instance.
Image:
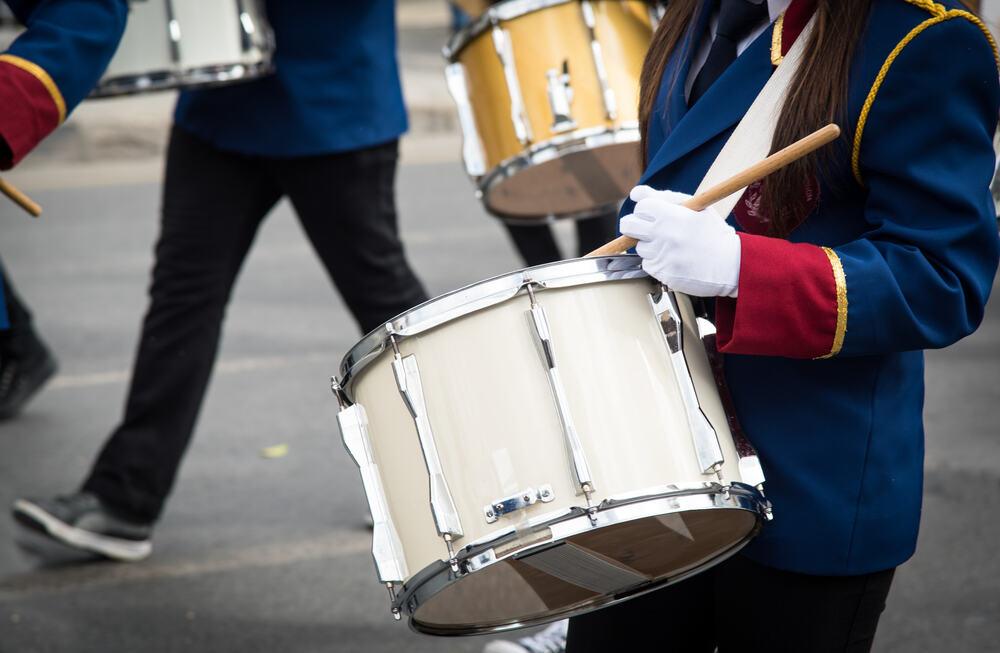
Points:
(550, 640)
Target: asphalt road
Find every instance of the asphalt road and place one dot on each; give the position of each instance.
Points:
(258, 554)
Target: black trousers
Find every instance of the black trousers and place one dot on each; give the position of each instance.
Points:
(18, 337)
(213, 203)
(742, 607)
(537, 244)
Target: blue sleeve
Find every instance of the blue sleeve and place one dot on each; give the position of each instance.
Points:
(71, 40)
(920, 277)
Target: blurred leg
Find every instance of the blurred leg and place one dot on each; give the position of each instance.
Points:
(25, 361)
(675, 619)
(213, 203)
(346, 203)
(594, 232)
(785, 612)
(535, 243)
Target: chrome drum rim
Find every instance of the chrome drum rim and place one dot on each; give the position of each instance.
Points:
(436, 578)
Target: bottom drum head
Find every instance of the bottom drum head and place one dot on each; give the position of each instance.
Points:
(586, 571)
(570, 185)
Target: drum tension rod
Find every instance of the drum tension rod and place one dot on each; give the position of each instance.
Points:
(392, 602)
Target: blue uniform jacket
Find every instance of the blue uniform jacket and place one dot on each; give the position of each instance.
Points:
(336, 86)
(53, 65)
(49, 69)
(823, 344)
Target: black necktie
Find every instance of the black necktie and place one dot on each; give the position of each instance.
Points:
(737, 18)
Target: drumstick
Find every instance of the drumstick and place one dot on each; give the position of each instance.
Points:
(20, 198)
(741, 180)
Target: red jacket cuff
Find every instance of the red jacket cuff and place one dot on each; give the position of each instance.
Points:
(29, 113)
(791, 301)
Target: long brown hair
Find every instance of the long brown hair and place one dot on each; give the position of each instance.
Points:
(818, 94)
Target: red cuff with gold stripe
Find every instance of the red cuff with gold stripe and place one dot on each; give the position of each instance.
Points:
(792, 301)
(29, 112)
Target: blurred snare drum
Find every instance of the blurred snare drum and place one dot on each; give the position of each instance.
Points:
(184, 43)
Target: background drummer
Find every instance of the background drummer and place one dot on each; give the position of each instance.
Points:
(322, 131)
(44, 74)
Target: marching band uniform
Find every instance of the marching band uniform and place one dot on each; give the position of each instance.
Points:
(823, 330)
(322, 130)
(44, 74)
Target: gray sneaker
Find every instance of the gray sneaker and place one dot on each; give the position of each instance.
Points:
(82, 522)
(550, 640)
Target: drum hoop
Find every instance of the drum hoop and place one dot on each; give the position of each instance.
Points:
(480, 295)
(555, 148)
(496, 14)
(433, 579)
(199, 77)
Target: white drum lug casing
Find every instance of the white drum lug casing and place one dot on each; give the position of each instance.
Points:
(387, 550)
(706, 439)
(411, 390)
(472, 144)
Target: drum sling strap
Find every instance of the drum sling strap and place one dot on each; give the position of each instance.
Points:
(750, 142)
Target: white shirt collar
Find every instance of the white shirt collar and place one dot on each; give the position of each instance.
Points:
(776, 7)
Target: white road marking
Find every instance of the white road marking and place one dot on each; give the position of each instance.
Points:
(231, 366)
(84, 577)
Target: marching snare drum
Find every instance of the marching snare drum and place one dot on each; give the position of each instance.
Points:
(577, 453)
(186, 43)
(547, 95)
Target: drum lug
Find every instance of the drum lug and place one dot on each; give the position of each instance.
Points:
(560, 98)
(387, 550)
(520, 501)
(408, 381)
(472, 144)
(543, 338)
(518, 115)
(607, 93)
(706, 439)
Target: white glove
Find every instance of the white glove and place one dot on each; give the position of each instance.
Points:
(693, 252)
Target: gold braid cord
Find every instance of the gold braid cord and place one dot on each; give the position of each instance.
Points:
(841, 280)
(939, 15)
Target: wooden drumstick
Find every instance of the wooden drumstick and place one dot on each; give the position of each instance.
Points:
(20, 198)
(741, 180)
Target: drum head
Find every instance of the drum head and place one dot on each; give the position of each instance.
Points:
(586, 571)
(572, 184)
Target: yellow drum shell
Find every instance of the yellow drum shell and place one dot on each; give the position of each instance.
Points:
(555, 38)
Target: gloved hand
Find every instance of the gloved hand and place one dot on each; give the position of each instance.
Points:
(693, 252)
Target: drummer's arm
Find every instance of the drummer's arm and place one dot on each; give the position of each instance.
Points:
(920, 275)
(52, 66)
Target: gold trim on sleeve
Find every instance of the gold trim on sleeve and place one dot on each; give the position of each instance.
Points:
(940, 15)
(841, 280)
(39, 73)
(776, 56)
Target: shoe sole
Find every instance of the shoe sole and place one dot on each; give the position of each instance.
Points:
(115, 548)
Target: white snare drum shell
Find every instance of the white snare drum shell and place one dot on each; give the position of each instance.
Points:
(500, 439)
